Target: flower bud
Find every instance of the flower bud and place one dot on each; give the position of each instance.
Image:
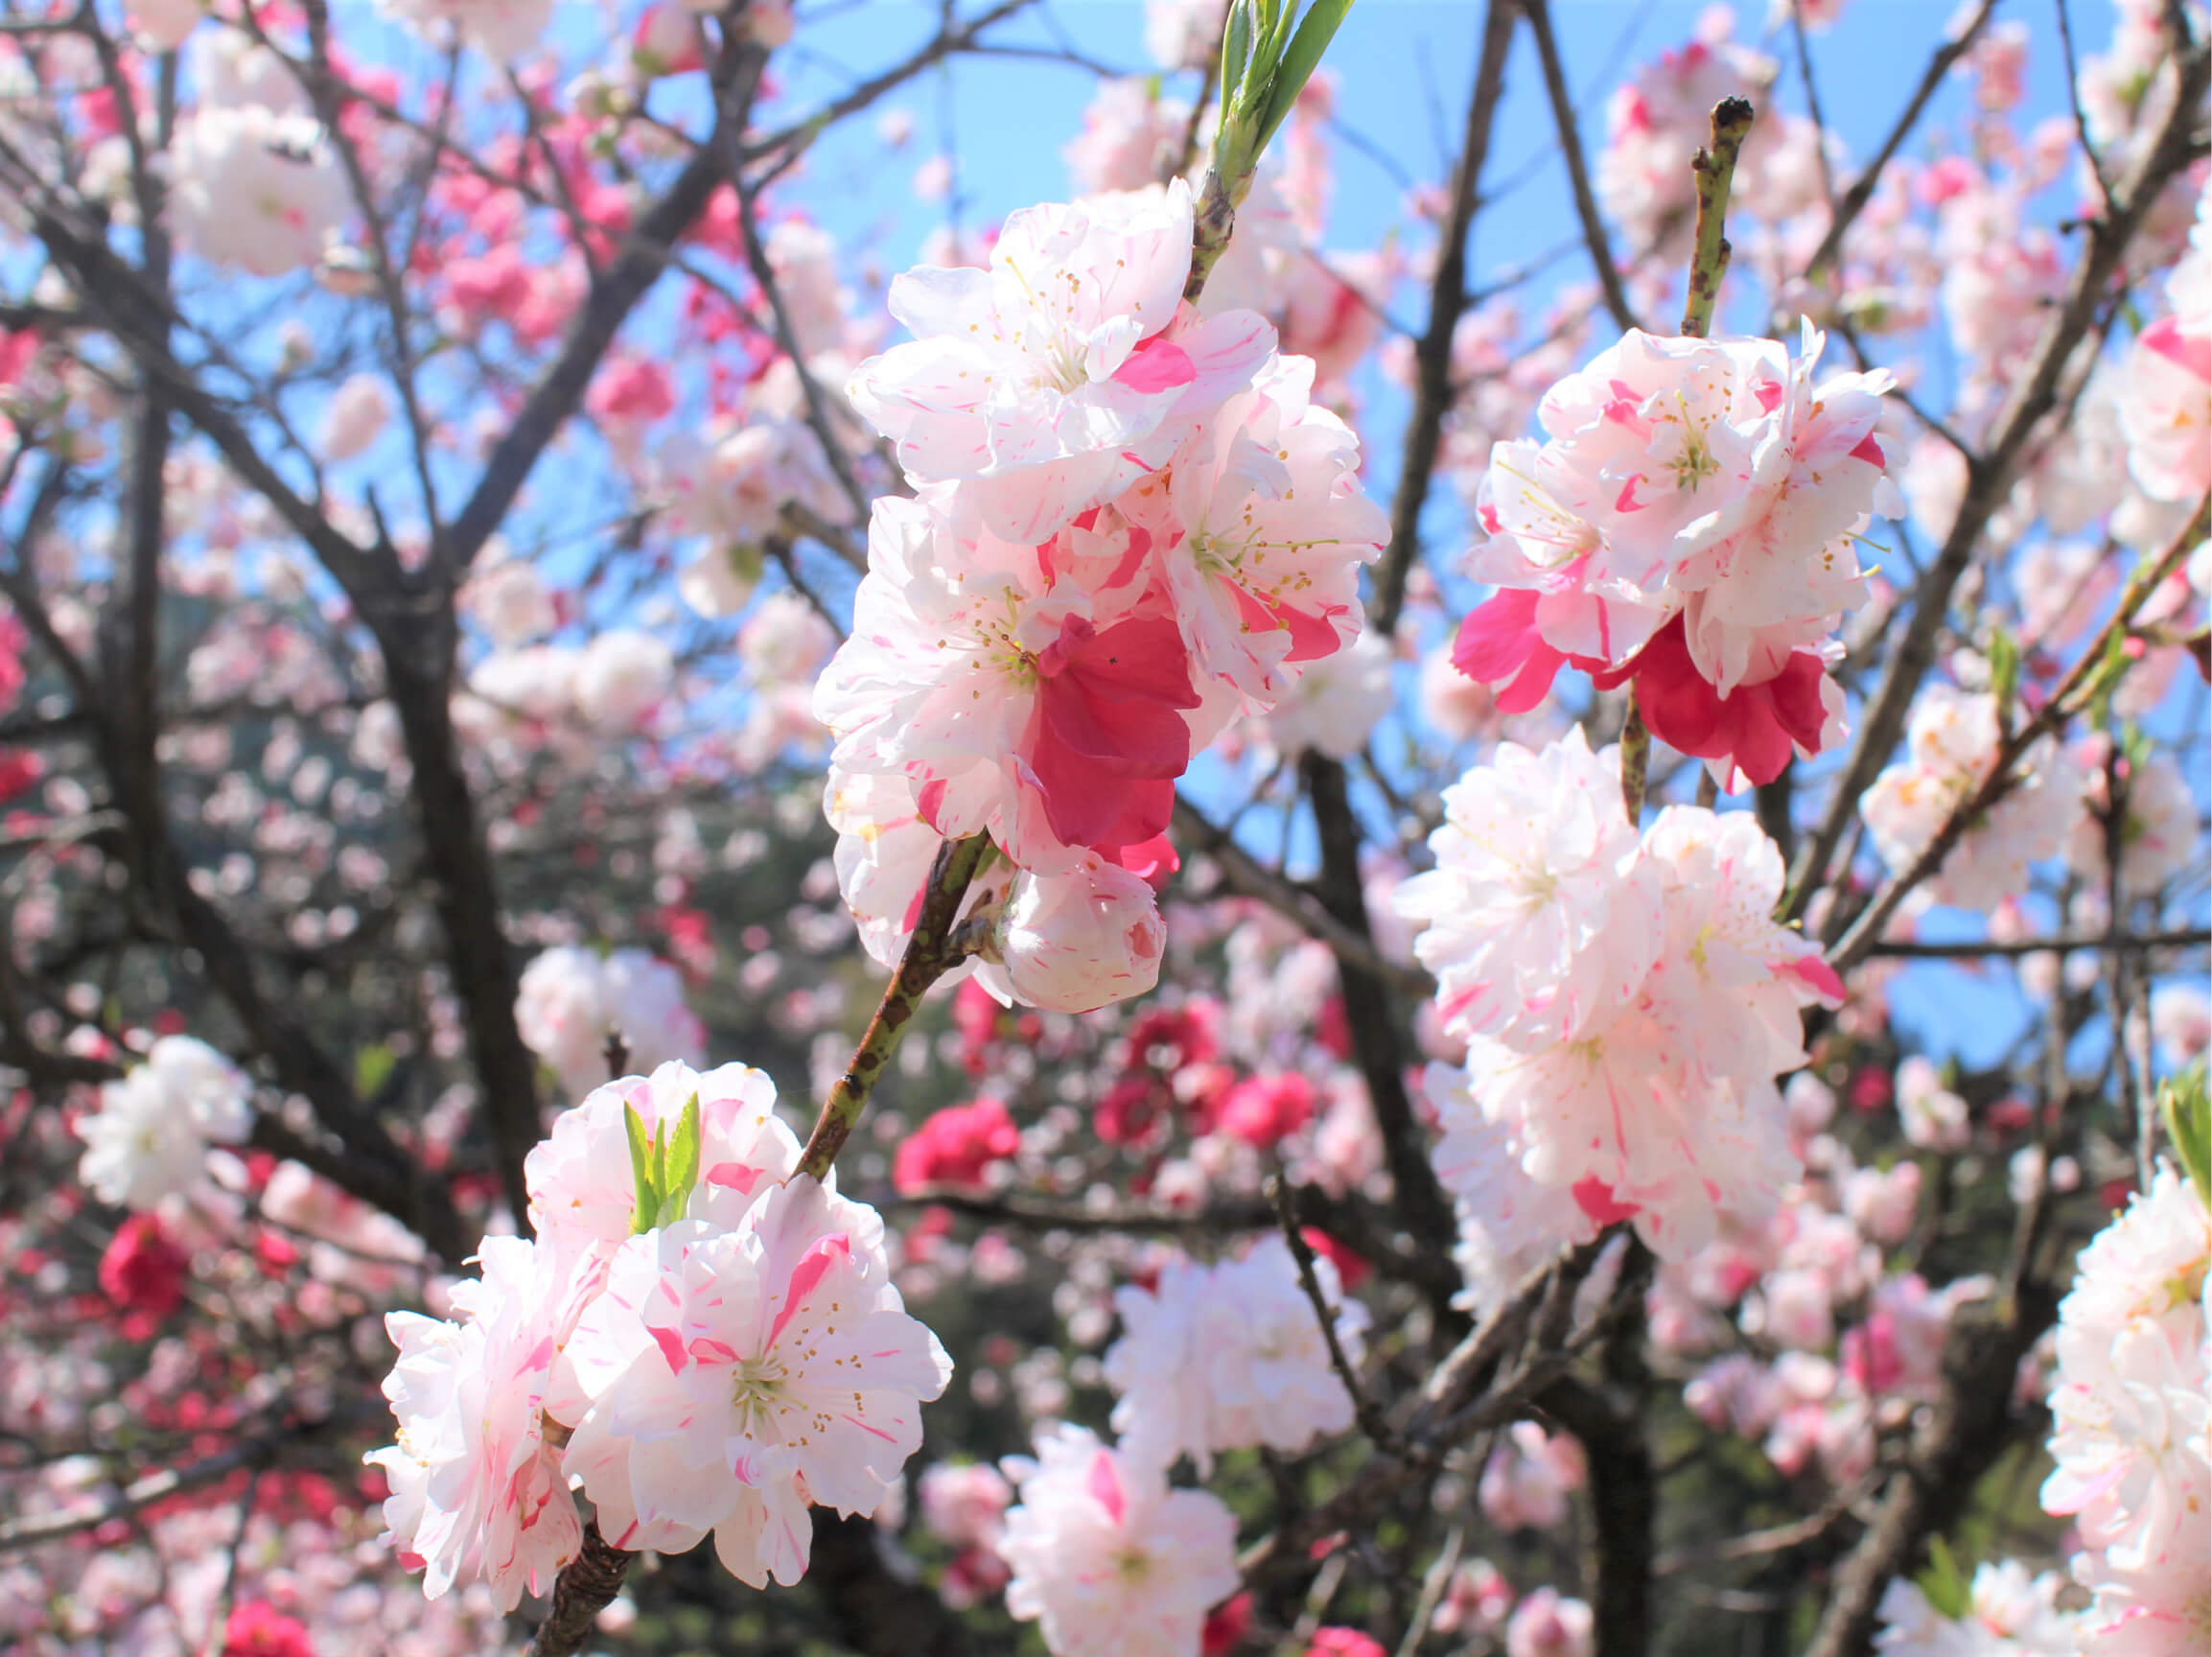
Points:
(1075, 942)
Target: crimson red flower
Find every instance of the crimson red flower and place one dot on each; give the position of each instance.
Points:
(143, 1272)
(955, 1146)
(258, 1629)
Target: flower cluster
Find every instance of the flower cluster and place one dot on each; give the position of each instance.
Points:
(713, 1348)
(1229, 1356)
(1950, 748)
(1689, 522)
(149, 1138)
(2128, 1413)
(1130, 525)
(1625, 1000)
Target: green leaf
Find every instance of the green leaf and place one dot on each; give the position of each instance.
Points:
(1945, 1586)
(681, 1161)
(2005, 672)
(1236, 53)
(642, 1170)
(1304, 55)
(2187, 1107)
(372, 1068)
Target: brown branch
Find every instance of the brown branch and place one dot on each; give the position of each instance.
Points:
(1254, 880)
(1563, 120)
(561, 389)
(1862, 189)
(585, 1586)
(1363, 1407)
(1623, 1508)
(1957, 1441)
(1419, 1199)
(2185, 938)
(931, 952)
(1447, 302)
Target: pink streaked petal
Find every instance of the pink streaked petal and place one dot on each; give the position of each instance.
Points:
(1823, 977)
(671, 1344)
(811, 1268)
(1105, 1486)
(1157, 364)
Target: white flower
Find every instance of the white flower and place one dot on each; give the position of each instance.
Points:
(357, 413)
(622, 676)
(571, 999)
(1231, 1356)
(1538, 922)
(507, 597)
(583, 1196)
(2128, 1411)
(500, 29)
(1952, 744)
(1107, 1559)
(254, 188)
(150, 1135)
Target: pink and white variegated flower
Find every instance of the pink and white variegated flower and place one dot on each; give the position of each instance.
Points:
(1260, 526)
(2128, 1420)
(1658, 1102)
(475, 1489)
(1077, 940)
(1540, 918)
(1040, 692)
(1689, 522)
(739, 1370)
(1107, 1559)
(1042, 379)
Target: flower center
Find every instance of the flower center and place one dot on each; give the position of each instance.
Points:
(757, 1390)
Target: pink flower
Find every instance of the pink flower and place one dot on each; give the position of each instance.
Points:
(954, 1146)
(1545, 1625)
(962, 1503)
(1529, 1478)
(1344, 1643)
(256, 1628)
(2166, 408)
(1262, 1110)
(1749, 733)
(1039, 692)
(1689, 522)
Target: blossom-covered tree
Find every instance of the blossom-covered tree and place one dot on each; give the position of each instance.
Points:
(1222, 915)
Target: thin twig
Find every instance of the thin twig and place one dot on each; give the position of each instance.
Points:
(1364, 1410)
